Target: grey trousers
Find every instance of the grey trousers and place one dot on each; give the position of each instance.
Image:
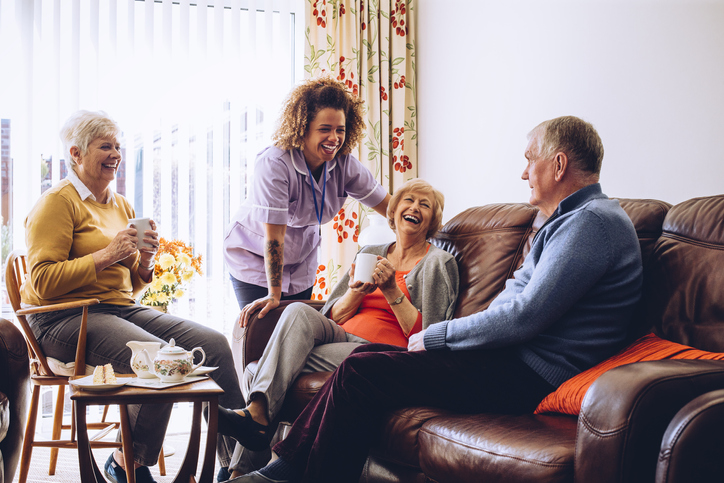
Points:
(303, 341)
(109, 328)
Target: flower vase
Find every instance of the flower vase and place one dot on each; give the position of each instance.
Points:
(160, 308)
(377, 233)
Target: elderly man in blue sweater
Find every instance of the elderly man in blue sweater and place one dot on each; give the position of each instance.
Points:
(566, 309)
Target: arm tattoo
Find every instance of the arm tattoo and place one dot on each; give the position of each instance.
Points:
(274, 262)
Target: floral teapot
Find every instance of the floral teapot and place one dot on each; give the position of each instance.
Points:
(172, 363)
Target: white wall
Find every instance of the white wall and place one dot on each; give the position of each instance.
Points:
(649, 75)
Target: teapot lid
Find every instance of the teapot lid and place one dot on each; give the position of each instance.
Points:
(172, 348)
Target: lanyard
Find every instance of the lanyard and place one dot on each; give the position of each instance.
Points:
(319, 211)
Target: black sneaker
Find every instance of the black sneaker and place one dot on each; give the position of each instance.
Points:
(223, 474)
(116, 474)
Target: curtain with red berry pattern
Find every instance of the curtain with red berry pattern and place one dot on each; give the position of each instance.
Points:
(369, 45)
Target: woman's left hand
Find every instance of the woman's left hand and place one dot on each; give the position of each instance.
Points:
(151, 237)
(384, 275)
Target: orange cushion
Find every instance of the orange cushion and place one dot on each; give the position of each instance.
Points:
(567, 399)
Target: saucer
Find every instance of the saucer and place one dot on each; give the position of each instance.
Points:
(86, 383)
(201, 370)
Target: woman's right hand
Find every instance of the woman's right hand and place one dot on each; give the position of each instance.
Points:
(266, 304)
(362, 288)
(121, 247)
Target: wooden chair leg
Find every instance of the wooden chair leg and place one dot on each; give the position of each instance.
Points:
(57, 428)
(162, 463)
(27, 451)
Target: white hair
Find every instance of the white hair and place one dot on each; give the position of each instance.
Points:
(81, 128)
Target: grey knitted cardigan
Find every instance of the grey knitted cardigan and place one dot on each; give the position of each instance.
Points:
(433, 284)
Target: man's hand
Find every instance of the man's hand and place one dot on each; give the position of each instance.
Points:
(417, 341)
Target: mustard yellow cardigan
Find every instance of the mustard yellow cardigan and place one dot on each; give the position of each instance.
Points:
(61, 233)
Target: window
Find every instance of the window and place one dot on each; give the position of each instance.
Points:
(196, 88)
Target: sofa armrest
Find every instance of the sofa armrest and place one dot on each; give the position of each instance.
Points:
(626, 411)
(258, 331)
(15, 384)
(692, 445)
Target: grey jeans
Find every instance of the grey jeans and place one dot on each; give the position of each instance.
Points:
(109, 328)
(303, 341)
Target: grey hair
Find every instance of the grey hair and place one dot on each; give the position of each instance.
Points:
(81, 128)
(575, 137)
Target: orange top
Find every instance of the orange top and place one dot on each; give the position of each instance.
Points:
(375, 320)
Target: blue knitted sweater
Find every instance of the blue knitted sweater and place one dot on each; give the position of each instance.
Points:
(568, 307)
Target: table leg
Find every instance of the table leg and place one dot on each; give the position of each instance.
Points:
(89, 472)
(212, 426)
(127, 441)
(187, 472)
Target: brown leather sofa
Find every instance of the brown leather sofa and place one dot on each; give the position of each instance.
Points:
(618, 435)
(14, 397)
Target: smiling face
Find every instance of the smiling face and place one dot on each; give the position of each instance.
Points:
(540, 174)
(97, 167)
(414, 213)
(325, 136)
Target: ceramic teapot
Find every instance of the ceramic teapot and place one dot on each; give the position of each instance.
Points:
(141, 368)
(172, 363)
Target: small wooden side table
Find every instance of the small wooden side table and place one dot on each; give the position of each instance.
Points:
(197, 392)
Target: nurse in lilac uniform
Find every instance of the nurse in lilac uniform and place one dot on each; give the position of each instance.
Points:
(300, 183)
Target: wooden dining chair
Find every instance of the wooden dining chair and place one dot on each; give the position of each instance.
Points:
(45, 371)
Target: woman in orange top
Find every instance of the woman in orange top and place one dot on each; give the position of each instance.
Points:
(415, 285)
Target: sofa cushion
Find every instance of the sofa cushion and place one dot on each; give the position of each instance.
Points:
(684, 288)
(398, 441)
(463, 448)
(302, 391)
(489, 243)
(567, 399)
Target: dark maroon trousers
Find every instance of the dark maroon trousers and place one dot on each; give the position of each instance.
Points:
(330, 440)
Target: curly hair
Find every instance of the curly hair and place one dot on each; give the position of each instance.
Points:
(310, 97)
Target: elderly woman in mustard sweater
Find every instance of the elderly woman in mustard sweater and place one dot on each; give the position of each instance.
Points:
(79, 247)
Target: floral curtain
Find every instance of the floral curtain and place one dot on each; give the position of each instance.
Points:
(370, 45)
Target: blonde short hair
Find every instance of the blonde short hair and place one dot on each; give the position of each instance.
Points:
(81, 128)
(418, 184)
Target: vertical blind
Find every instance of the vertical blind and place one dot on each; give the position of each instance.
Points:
(196, 88)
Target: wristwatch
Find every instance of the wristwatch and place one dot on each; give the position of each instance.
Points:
(398, 300)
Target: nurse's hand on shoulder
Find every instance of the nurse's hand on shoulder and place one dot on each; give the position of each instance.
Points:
(266, 304)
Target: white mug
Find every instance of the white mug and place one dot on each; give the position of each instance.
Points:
(141, 225)
(364, 267)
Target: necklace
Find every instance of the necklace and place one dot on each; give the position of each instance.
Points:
(319, 211)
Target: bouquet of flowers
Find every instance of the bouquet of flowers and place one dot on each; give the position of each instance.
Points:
(175, 266)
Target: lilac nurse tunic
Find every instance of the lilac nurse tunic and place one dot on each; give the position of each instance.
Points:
(281, 194)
